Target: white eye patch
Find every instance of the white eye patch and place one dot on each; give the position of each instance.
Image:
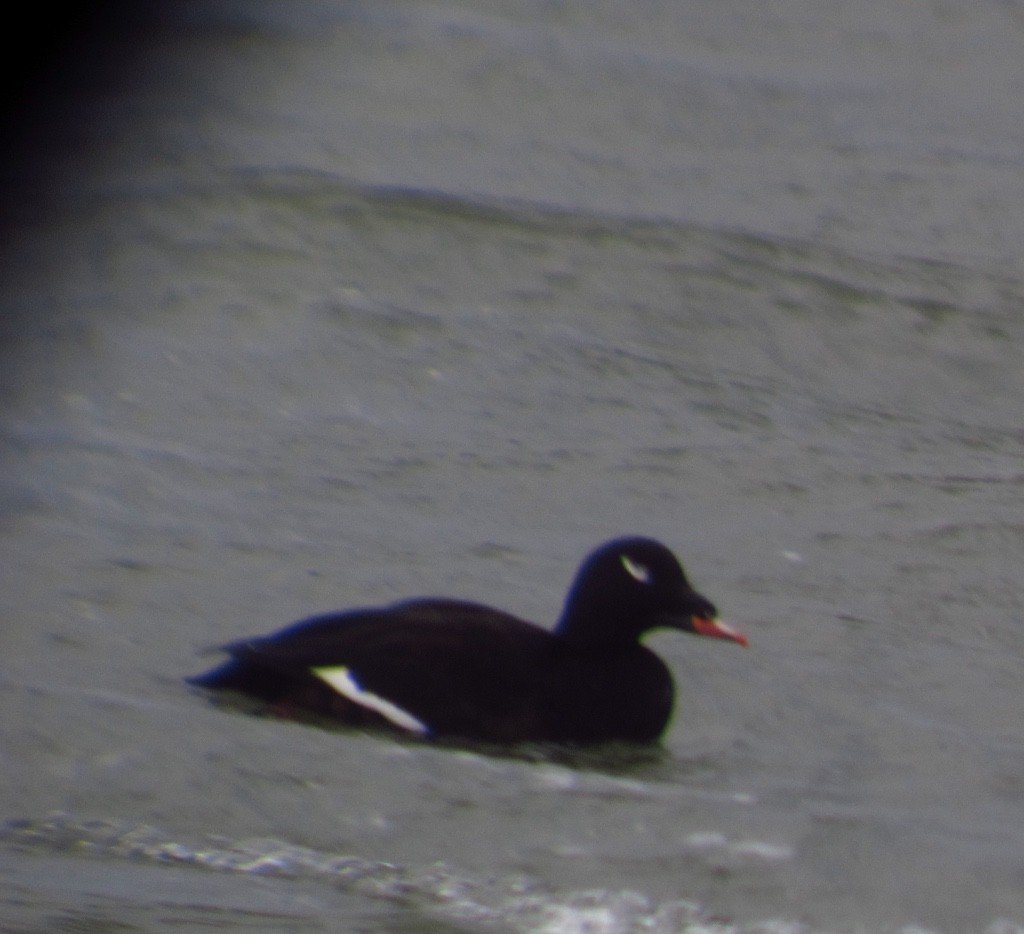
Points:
(344, 682)
(638, 572)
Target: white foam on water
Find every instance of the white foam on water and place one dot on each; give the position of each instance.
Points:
(516, 903)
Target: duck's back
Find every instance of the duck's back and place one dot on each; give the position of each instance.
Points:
(457, 668)
(449, 668)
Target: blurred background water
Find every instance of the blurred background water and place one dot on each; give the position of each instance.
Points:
(313, 305)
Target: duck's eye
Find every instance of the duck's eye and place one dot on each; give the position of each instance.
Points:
(638, 572)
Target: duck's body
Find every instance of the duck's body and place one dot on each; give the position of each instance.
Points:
(447, 668)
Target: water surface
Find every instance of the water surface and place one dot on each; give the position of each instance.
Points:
(330, 307)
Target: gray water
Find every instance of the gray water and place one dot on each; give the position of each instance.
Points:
(316, 305)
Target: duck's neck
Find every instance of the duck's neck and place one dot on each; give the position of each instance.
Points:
(597, 626)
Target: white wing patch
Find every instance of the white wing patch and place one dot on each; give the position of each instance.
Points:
(344, 682)
(638, 572)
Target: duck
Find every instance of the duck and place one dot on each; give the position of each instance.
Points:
(450, 669)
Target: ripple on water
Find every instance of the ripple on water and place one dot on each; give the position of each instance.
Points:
(449, 893)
